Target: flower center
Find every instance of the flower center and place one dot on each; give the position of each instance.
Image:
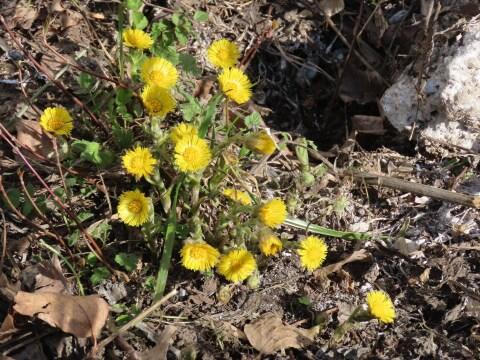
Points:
(155, 105)
(198, 253)
(55, 123)
(135, 206)
(232, 86)
(136, 163)
(190, 155)
(157, 76)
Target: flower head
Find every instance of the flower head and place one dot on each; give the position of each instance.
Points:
(133, 208)
(135, 38)
(182, 130)
(236, 85)
(273, 213)
(261, 142)
(138, 162)
(160, 72)
(313, 252)
(199, 256)
(238, 196)
(223, 53)
(381, 306)
(270, 244)
(157, 100)
(56, 120)
(192, 154)
(237, 265)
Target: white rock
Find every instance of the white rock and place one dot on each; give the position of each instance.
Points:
(450, 109)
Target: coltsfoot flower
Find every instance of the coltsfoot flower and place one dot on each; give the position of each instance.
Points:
(261, 142)
(381, 306)
(56, 120)
(135, 38)
(313, 252)
(199, 256)
(133, 208)
(273, 213)
(223, 54)
(238, 196)
(237, 265)
(235, 85)
(138, 162)
(192, 154)
(270, 244)
(157, 100)
(160, 72)
(181, 130)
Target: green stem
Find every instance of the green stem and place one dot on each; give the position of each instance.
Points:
(168, 246)
(317, 229)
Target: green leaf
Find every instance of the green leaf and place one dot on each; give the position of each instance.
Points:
(189, 64)
(200, 16)
(123, 137)
(181, 35)
(73, 238)
(99, 274)
(128, 261)
(169, 53)
(209, 115)
(100, 229)
(123, 319)
(253, 120)
(133, 4)
(139, 20)
(86, 81)
(177, 19)
(160, 27)
(123, 96)
(305, 300)
(92, 152)
(92, 259)
(15, 196)
(84, 215)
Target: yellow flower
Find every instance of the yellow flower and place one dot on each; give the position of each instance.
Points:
(270, 244)
(133, 208)
(261, 142)
(199, 256)
(238, 196)
(312, 251)
(273, 213)
(236, 85)
(192, 154)
(223, 53)
(138, 162)
(182, 130)
(159, 72)
(237, 265)
(381, 306)
(135, 38)
(157, 100)
(56, 120)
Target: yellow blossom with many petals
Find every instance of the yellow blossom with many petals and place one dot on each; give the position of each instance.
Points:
(381, 306)
(313, 252)
(238, 196)
(223, 54)
(237, 265)
(273, 213)
(160, 72)
(136, 38)
(270, 244)
(157, 100)
(192, 154)
(199, 256)
(56, 120)
(261, 142)
(235, 85)
(134, 208)
(139, 162)
(181, 130)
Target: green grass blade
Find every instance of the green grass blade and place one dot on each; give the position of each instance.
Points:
(166, 259)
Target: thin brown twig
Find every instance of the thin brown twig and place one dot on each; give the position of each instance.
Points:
(59, 167)
(40, 68)
(4, 241)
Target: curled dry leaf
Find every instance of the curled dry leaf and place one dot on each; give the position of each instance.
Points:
(31, 136)
(359, 255)
(269, 335)
(159, 351)
(82, 316)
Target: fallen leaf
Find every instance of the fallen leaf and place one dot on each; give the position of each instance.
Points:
(7, 329)
(331, 7)
(159, 351)
(269, 335)
(31, 136)
(82, 316)
(359, 255)
(368, 124)
(25, 15)
(45, 277)
(361, 86)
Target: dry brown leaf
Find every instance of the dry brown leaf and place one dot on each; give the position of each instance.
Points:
(82, 316)
(159, 351)
(30, 135)
(358, 255)
(331, 7)
(45, 277)
(269, 335)
(25, 15)
(7, 329)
